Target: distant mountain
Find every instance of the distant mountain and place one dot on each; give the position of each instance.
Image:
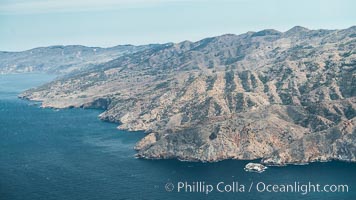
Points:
(285, 97)
(61, 59)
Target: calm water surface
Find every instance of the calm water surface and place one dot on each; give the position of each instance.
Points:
(71, 154)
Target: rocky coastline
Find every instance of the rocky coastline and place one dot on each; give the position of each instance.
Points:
(282, 97)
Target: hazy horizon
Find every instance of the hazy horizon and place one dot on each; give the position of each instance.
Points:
(40, 23)
(154, 43)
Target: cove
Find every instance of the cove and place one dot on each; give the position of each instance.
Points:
(71, 154)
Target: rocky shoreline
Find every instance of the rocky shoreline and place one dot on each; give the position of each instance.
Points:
(283, 97)
(152, 137)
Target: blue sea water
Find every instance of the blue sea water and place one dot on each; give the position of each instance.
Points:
(71, 155)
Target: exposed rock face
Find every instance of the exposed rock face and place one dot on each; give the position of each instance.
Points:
(284, 97)
(255, 167)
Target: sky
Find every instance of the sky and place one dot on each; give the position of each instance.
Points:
(26, 24)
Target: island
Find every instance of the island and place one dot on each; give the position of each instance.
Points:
(282, 97)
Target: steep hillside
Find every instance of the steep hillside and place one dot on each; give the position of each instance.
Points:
(285, 97)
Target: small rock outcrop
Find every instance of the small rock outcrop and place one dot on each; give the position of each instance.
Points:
(255, 167)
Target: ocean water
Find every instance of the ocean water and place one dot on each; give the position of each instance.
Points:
(71, 155)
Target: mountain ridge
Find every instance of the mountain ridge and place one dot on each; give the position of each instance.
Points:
(62, 59)
(281, 97)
